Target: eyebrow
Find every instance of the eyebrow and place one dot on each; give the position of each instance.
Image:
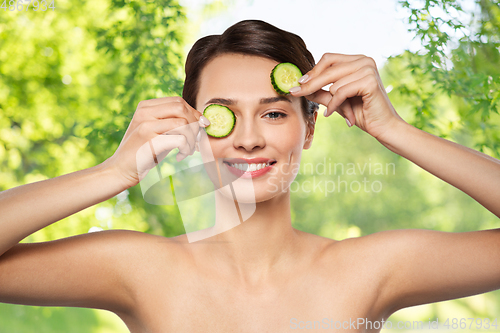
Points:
(222, 101)
(267, 100)
(270, 100)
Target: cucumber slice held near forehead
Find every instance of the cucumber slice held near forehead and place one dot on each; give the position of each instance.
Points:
(221, 119)
(285, 76)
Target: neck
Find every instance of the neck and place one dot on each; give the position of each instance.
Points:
(261, 245)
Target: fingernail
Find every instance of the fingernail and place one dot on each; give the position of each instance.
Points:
(198, 137)
(304, 79)
(325, 113)
(204, 122)
(348, 122)
(294, 90)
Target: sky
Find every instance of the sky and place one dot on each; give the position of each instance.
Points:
(374, 28)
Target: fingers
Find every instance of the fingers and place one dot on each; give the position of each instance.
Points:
(321, 96)
(346, 111)
(166, 100)
(353, 79)
(349, 90)
(327, 60)
(172, 110)
(170, 116)
(162, 108)
(359, 74)
(161, 145)
(152, 152)
(170, 129)
(169, 120)
(331, 70)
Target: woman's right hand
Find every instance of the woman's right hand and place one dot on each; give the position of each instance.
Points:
(158, 126)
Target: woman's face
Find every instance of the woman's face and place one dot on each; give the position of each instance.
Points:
(270, 131)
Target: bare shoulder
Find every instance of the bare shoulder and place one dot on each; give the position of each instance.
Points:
(126, 243)
(140, 240)
(377, 252)
(100, 269)
(385, 262)
(379, 243)
(149, 264)
(363, 266)
(134, 255)
(418, 266)
(143, 249)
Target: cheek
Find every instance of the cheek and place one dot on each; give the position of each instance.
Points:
(289, 142)
(220, 147)
(289, 138)
(211, 148)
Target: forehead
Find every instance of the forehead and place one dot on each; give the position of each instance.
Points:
(235, 76)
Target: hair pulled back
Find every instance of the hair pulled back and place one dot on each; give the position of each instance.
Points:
(249, 37)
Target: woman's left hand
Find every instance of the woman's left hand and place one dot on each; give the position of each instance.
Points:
(356, 93)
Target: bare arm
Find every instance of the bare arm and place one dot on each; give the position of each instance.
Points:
(425, 266)
(28, 208)
(419, 266)
(473, 172)
(88, 270)
(430, 266)
(357, 93)
(74, 271)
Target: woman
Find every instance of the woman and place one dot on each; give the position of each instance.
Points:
(262, 275)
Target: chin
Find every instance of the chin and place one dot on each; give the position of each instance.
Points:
(271, 188)
(254, 190)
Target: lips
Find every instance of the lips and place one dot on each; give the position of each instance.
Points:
(249, 160)
(249, 167)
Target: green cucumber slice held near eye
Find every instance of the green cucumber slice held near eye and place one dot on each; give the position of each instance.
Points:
(221, 119)
(285, 76)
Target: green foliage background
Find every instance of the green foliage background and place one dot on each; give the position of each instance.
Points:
(70, 80)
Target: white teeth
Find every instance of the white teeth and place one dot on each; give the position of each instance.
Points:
(249, 167)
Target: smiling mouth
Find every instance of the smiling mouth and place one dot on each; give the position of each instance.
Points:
(249, 167)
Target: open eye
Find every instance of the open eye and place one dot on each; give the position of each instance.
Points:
(275, 115)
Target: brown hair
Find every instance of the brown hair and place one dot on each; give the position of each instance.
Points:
(250, 37)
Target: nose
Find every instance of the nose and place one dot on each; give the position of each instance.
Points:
(248, 135)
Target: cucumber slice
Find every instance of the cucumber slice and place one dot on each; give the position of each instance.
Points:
(285, 76)
(221, 119)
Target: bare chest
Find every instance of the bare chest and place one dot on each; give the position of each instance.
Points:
(210, 303)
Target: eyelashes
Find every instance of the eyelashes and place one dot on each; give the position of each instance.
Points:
(275, 115)
(272, 115)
